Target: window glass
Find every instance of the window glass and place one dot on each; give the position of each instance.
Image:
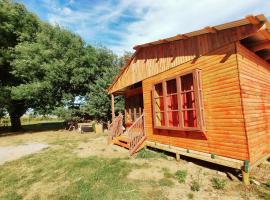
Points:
(172, 103)
(188, 101)
(183, 102)
(159, 105)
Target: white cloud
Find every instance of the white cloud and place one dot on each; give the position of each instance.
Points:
(155, 19)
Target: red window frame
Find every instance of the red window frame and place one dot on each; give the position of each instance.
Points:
(172, 120)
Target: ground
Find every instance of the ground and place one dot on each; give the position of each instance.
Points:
(83, 166)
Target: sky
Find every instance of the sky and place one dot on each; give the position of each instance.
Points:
(121, 24)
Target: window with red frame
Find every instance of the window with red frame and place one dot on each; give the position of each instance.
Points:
(178, 103)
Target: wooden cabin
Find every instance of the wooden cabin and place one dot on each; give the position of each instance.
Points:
(203, 94)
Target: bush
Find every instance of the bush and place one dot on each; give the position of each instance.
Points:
(181, 175)
(218, 183)
(195, 186)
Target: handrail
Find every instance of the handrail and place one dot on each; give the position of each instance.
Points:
(136, 134)
(115, 128)
(142, 115)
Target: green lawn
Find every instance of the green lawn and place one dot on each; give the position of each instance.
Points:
(58, 173)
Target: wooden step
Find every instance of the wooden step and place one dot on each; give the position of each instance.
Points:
(122, 144)
(123, 138)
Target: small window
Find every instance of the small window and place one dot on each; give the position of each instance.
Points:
(159, 105)
(178, 103)
(172, 103)
(188, 101)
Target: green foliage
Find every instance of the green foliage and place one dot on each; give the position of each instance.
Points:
(196, 183)
(218, 183)
(195, 186)
(147, 154)
(181, 175)
(46, 68)
(98, 101)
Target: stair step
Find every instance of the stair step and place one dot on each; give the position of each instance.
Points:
(122, 144)
(123, 138)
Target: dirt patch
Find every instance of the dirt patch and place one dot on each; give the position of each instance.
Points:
(98, 147)
(10, 153)
(151, 173)
(42, 190)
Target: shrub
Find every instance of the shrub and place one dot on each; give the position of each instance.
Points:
(195, 186)
(218, 183)
(181, 175)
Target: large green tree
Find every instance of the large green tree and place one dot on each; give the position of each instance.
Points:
(16, 25)
(98, 102)
(42, 66)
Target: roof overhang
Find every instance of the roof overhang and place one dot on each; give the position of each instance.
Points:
(250, 19)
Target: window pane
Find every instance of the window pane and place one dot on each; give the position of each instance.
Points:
(171, 86)
(173, 118)
(187, 82)
(160, 119)
(190, 118)
(188, 100)
(172, 102)
(159, 104)
(158, 90)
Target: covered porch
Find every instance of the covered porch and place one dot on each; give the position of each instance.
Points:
(127, 129)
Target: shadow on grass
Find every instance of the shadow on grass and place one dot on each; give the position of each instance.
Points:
(32, 128)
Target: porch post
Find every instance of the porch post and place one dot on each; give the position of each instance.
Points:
(112, 106)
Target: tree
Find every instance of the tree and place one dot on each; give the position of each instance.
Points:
(16, 25)
(44, 66)
(98, 102)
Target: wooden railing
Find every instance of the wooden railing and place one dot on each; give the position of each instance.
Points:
(115, 128)
(136, 134)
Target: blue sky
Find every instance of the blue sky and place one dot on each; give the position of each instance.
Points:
(121, 24)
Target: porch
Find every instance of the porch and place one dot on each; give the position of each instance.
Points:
(128, 130)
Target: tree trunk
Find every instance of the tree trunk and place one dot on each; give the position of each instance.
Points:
(15, 122)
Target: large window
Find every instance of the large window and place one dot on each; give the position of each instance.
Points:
(178, 103)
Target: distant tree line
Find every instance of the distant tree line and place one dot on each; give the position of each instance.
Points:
(50, 69)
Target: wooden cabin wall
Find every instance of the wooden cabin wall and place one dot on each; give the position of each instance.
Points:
(158, 58)
(255, 89)
(225, 125)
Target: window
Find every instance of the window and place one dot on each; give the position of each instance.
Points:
(159, 105)
(178, 103)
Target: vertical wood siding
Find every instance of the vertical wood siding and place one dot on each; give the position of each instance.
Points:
(255, 88)
(153, 60)
(225, 133)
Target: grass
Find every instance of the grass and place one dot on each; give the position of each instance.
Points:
(148, 154)
(167, 173)
(218, 184)
(166, 182)
(58, 173)
(181, 175)
(190, 195)
(195, 186)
